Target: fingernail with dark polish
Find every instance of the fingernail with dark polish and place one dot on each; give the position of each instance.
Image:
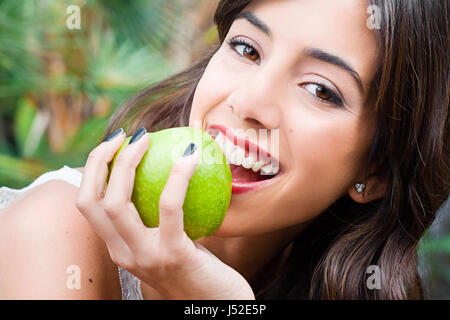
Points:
(114, 134)
(138, 134)
(190, 150)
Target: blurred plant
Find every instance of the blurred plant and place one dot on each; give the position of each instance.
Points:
(434, 255)
(58, 87)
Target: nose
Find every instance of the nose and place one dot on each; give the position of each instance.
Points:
(257, 99)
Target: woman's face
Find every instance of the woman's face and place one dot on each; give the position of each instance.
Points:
(305, 80)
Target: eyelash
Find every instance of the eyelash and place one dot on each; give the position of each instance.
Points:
(238, 41)
(334, 99)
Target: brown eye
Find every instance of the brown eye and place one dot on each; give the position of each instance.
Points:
(247, 51)
(244, 49)
(251, 53)
(319, 91)
(322, 93)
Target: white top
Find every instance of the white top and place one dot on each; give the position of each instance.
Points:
(129, 284)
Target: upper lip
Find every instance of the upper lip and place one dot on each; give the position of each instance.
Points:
(249, 146)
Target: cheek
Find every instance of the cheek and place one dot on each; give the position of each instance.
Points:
(326, 152)
(329, 151)
(214, 87)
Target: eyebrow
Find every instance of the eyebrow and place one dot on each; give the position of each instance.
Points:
(315, 53)
(250, 17)
(334, 60)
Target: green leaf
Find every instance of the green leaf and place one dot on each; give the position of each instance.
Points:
(17, 173)
(30, 126)
(23, 121)
(86, 139)
(440, 245)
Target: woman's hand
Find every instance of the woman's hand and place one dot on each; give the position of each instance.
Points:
(165, 257)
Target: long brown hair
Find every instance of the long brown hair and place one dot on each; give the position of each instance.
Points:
(410, 150)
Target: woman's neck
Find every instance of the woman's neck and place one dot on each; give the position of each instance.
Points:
(250, 254)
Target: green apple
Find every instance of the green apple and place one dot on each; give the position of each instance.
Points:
(209, 192)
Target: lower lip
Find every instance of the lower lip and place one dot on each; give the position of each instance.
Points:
(244, 187)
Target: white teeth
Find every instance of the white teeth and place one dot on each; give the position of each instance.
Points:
(229, 147)
(232, 159)
(248, 162)
(220, 139)
(257, 166)
(269, 169)
(275, 169)
(236, 155)
(226, 145)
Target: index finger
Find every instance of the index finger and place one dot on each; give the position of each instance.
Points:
(93, 183)
(96, 167)
(173, 195)
(117, 201)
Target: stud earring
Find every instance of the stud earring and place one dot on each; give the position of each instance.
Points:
(360, 187)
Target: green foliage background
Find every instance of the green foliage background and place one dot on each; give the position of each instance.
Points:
(58, 87)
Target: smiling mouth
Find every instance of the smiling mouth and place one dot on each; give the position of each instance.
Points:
(251, 167)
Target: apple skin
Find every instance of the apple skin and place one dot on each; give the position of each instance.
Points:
(209, 192)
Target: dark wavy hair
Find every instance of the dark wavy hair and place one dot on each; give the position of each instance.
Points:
(410, 150)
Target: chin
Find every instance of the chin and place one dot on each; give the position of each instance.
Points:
(230, 229)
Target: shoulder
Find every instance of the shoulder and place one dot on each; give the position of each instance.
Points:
(52, 203)
(48, 241)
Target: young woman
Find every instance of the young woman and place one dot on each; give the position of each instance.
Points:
(358, 91)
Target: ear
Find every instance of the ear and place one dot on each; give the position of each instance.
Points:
(375, 188)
